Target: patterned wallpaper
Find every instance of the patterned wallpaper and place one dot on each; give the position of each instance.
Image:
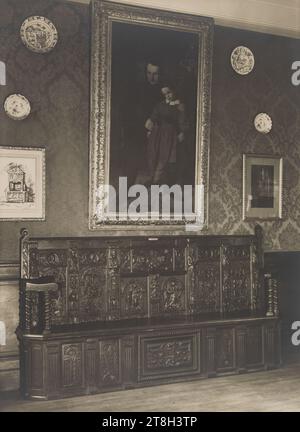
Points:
(57, 85)
(236, 100)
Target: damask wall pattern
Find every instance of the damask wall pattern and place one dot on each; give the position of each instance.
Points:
(57, 85)
(236, 100)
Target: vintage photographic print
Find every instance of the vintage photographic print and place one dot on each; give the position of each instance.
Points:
(262, 177)
(162, 278)
(22, 183)
(152, 88)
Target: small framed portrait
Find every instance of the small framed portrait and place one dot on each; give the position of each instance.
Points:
(262, 187)
(22, 183)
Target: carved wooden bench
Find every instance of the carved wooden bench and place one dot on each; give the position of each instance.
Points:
(98, 314)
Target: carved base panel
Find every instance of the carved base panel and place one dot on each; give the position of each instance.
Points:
(83, 362)
(168, 356)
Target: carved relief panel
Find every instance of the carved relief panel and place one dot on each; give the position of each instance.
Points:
(134, 297)
(204, 278)
(115, 279)
(173, 296)
(163, 356)
(110, 362)
(236, 269)
(72, 365)
(152, 260)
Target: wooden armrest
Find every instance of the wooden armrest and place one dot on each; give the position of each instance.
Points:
(43, 287)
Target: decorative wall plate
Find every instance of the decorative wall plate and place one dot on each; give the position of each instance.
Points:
(263, 123)
(242, 60)
(38, 34)
(17, 107)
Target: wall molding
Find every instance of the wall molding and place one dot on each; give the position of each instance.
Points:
(9, 272)
(266, 16)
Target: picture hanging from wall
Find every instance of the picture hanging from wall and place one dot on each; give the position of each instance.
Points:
(22, 183)
(150, 117)
(262, 187)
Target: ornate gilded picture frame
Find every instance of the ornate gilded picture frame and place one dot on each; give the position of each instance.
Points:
(262, 187)
(150, 119)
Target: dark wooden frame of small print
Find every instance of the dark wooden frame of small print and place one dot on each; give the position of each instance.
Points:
(262, 187)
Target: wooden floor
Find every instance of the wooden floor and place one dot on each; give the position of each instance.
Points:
(276, 390)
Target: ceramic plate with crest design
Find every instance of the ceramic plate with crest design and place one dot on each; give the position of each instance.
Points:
(17, 107)
(263, 123)
(39, 34)
(242, 60)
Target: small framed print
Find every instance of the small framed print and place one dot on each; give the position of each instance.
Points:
(262, 187)
(22, 183)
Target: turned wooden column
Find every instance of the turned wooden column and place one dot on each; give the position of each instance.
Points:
(35, 305)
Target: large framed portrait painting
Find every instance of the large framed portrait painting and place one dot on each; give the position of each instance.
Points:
(150, 117)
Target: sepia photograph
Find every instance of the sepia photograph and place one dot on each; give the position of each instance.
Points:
(149, 211)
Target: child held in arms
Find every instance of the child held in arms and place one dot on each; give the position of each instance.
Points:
(166, 129)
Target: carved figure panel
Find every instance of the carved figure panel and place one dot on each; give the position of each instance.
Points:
(154, 294)
(134, 297)
(92, 294)
(236, 287)
(125, 260)
(173, 294)
(73, 298)
(72, 365)
(113, 295)
(109, 362)
(113, 258)
(207, 286)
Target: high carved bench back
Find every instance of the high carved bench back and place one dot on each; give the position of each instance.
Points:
(109, 279)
